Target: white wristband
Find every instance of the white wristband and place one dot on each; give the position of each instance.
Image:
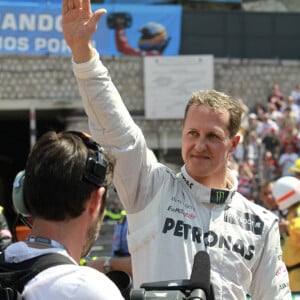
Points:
(106, 265)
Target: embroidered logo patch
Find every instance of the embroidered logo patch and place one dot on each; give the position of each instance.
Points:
(218, 196)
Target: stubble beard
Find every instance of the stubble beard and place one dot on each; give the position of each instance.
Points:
(91, 236)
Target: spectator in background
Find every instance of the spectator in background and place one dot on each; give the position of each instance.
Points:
(286, 160)
(268, 167)
(295, 168)
(286, 191)
(5, 234)
(297, 135)
(119, 243)
(271, 143)
(253, 147)
(246, 180)
(265, 126)
(233, 165)
(239, 152)
(290, 102)
(245, 115)
(289, 119)
(273, 112)
(288, 137)
(267, 200)
(254, 123)
(296, 94)
(116, 212)
(258, 109)
(276, 97)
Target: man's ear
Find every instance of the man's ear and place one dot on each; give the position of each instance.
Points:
(96, 200)
(234, 142)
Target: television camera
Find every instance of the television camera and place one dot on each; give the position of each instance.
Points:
(198, 287)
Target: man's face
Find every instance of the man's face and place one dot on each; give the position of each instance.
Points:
(266, 197)
(206, 145)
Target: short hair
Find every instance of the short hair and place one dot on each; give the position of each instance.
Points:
(218, 101)
(54, 185)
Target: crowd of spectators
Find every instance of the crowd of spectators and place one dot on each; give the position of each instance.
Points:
(270, 141)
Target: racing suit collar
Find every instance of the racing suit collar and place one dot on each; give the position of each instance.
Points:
(207, 194)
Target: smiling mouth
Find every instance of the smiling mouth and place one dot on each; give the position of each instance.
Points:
(201, 157)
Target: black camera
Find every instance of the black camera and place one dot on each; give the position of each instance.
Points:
(171, 290)
(198, 287)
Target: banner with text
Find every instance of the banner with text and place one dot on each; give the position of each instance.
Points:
(30, 28)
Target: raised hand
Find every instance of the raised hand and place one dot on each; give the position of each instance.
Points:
(79, 24)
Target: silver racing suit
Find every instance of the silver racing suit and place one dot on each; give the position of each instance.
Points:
(171, 216)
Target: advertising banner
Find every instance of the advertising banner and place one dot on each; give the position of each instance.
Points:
(29, 28)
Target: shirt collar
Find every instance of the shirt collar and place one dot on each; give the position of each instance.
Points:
(206, 194)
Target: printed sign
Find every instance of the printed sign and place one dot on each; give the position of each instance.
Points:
(170, 81)
(35, 28)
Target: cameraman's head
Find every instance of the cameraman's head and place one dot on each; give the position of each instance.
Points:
(67, 176)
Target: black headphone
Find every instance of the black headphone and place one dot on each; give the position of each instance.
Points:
(95, 169)
(94, 172)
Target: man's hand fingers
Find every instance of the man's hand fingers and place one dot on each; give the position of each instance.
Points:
(97, 16)
(71, 4)
(86, 5)
(65, 7)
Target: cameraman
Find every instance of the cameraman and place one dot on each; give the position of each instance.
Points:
(64, 187)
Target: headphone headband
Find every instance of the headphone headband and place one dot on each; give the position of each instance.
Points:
(95, 170)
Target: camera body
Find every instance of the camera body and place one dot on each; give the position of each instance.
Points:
(198, 287)
(169, 290)
(141, 294)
